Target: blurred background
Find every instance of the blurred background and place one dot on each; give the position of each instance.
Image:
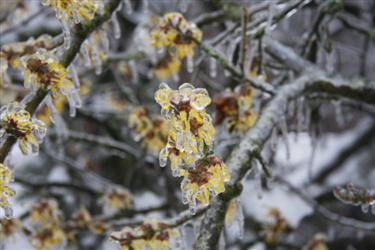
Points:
(94, 159)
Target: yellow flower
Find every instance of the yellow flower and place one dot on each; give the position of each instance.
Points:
(17, 122)
(191, 132)
(175, 32)
(116, 200)
(10, 54)
(77, 10)
(208, 176)
(42, 70)
(236, 108)
(48, 237)
(5, 191)
(46, 211)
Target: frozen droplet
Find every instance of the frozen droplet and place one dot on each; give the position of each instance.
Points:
(116, 26)
(365, 208)
(213, 67)
(339, 115)
(190, 64)
(163, 157)
(284, 131)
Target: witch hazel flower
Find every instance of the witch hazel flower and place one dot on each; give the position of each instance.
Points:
(191, 131)
(17, 122)
(43, 71)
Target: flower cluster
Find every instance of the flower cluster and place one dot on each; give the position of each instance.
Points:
(152, 235)
(76, 10)
(16, 121)
(207, 177)
(10, 54)
(191, 132)
(153, 131)
(116, 200)
(5, 191)
(236, 108)
(177, 37)
(43, 71)
(45, 217)
(355, 196)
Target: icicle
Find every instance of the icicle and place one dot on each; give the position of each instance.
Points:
(27, 98)
(274, 140)
(213, 67)
(365, 208)
(97, 62)
(175, 77)
(116, 25)
(339, 116)
(222, 242)
(314, 146)
(75, 77)
(105, 40)
(300, 116)
(67, 35)
(133, 70)
(190, 64)
(373, 209)
(291, 108)
(145, 6)
(128, 7)
(86, 54)
(284, 132)
(232, 48)
(183, 5)
(258, 180)
(271, 14)
(163, 157)
(226, 73)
